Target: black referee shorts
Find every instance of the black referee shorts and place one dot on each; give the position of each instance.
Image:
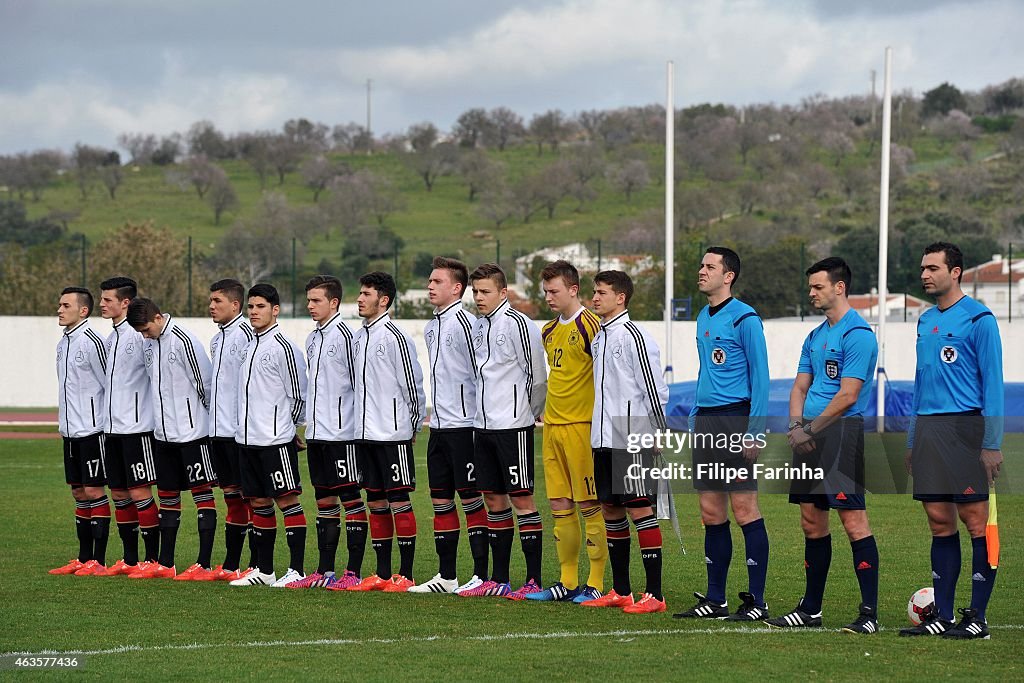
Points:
(839, 453)
(946, 458)
(716, 430)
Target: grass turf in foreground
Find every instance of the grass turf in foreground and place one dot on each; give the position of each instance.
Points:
(185, 630)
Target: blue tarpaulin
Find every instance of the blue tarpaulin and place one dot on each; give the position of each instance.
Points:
(899, 401)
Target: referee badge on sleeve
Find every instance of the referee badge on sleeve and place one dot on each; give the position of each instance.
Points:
(948, 354)
(832, 369)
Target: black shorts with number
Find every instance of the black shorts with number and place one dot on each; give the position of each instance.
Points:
(450, 462)
(386, 466)
(714, 428)
(184, 466)
(130, 461)
(333, 465)
(946, 458)
(621, 477)
(84, 461)
(839, 453)
(270, 471)
(504, 460)
(226, 462)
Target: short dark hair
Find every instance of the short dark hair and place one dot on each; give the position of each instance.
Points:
(126, 287)
(730, 261)
(489, 271)
(954, 257)
(330, 284)
(84, 298)
(563, 269)
(383, 283)
(141, 311)
(620, 282)
(267, 291)
(454, 266)
(232, 288)
(837, 271)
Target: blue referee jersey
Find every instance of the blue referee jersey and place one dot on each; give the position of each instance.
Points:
(832, 352)
(733, 360)
(960, 366)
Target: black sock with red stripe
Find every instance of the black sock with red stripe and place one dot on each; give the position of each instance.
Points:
(500, 530)
(382, 532)
(127, 528)
(648, 534)
(149, 527)
(356, 529)
(170, 520)
(328, 533)
(405, 533)
(83, 529)
(446, 538)
(295, 533)
(235, 528)
(476, 532)
(206, 523)
(264, 526)
(617, 531)
(100, 528)
(531, 535)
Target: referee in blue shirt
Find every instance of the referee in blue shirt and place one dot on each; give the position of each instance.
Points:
(826, 407)
(953, 445)
(730, 408)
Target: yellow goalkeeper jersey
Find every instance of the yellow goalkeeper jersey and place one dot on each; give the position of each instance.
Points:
(571, 377)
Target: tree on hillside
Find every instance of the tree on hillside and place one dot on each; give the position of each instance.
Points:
(157, 259)
(256, 247)
(478, 172)
(87, 161)
(140, 147)
(505, 127)
(197, 172)
(941, 100)
(221, 196)
(551, 128)
(310, 137)
(204, 139)
(585, 163)
(30, 173)
(472, 127)
(361, 198)
(255, 149)
(422, 136)
(319, 171)
(16, 228)
(838, 144)
(284, 154)
(430, 163)
(168, 151)
(497, 205)
(27, 276)
(350, 138)
(628, 177)
(111, 176)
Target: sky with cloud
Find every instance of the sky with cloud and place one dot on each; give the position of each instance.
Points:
(87, 70)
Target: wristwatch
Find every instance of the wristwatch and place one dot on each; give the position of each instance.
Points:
(794, 424)
(807, 429)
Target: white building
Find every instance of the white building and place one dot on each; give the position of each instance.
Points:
(998, 284)
(580, 256)
(898, 307)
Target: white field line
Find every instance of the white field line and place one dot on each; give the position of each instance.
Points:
(556, 635)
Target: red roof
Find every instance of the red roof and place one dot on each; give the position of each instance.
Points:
(992, 272)
(863, 302)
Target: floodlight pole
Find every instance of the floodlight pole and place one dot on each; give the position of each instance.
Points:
(670, 186)
(883, 239)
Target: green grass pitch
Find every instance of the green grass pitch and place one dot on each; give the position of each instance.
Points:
(191, 631)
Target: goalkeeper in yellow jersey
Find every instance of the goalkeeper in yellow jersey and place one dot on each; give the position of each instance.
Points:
(568, 462)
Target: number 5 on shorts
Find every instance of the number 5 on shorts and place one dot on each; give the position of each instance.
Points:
(513, 474)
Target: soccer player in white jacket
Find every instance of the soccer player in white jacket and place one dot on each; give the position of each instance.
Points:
(179, 373)
(271, 403)
(629, 398)
(450, 465)
(131, 469)
(389, 404)
(81, 367)
(233, 334)
(510, 393)
(330, 433)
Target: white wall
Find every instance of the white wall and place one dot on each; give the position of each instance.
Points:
(28, 344)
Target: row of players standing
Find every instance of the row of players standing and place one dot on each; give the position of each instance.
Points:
(732, 384)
